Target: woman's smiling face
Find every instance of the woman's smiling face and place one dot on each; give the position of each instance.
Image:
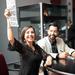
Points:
(29, 35)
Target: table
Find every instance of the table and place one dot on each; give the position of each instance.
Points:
(63, 66)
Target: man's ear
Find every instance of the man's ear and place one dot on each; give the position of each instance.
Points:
(58, 34)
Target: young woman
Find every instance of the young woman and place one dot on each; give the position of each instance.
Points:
(31, 53)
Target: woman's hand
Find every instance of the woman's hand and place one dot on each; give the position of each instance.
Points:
(10, 34)
(48, 61)
(7, 13)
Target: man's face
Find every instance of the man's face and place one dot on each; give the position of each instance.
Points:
(53, 32)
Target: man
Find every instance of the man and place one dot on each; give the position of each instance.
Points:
(55, 45)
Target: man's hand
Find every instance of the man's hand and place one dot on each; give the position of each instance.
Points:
(63, 55)
(73, 54)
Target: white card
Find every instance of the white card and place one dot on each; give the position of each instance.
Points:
(11, 5)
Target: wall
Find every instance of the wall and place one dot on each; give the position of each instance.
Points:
(29, 2)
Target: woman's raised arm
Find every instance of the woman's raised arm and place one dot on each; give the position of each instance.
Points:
(10, 34)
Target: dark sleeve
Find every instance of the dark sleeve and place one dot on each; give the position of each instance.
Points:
(17, 46)
(43, 53)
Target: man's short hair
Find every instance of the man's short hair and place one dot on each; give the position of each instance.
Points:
(55, 24)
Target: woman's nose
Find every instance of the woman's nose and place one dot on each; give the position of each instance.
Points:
(30, 33)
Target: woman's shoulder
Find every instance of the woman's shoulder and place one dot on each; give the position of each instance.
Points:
(37, 46)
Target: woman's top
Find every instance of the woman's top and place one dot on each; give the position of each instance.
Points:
(31, 60)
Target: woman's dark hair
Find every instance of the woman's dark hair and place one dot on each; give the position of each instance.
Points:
(54, 24)
(24, 30)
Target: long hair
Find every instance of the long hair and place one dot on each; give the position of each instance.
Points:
(23, 32)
